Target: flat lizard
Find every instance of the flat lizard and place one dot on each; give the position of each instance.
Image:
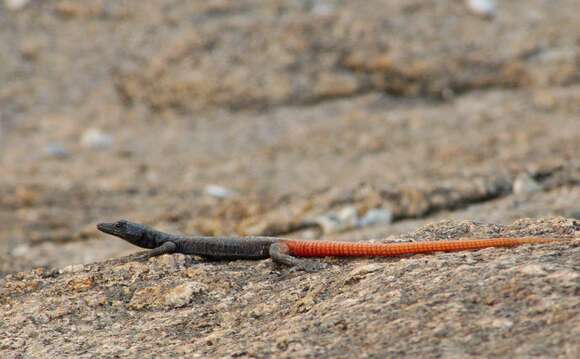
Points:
(285, 251)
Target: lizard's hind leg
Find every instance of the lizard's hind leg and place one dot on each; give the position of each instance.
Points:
(279, 253)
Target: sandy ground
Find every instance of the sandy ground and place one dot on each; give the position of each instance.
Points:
(300, 119)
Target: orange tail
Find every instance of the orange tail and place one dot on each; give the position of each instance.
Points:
(306, 248)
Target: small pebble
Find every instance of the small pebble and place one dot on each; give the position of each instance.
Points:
(376, 216)
(525, 184)
(56, 150)
(15, 4)
(494, 322)
(21, 250)
(323, 9)
(346, 218)
(219, 191)
(96, 139)
(485, 8)
(73, 268)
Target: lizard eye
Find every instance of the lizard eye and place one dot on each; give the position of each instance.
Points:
(118, 225)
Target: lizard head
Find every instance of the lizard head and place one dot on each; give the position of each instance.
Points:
(133, 233)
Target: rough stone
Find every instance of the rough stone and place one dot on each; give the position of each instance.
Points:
(304, 108)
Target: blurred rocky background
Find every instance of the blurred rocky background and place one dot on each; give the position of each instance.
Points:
(345, 120)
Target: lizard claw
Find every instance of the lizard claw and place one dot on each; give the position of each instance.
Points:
(141, 258)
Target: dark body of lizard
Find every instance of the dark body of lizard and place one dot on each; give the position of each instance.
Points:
(283, 250)
(214, 248)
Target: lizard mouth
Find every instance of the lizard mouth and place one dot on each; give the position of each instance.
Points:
(108, 228)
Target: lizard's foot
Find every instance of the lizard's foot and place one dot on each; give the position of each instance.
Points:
(140, 258)
(310, 266)
(279, 254)
(129, 259)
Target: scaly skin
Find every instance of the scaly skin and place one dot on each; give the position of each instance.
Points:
(349, 249)
(283, 250)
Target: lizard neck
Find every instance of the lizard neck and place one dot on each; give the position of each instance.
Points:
(154, 238)
(149, 239)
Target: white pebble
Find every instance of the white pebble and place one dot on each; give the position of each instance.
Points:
(21, 250)
(323, 9)
(346, 218)
(73, 268)
(96, 139)
(219, 191)
(15, 4)
(376, 216)
(525, 184)
(482, 7)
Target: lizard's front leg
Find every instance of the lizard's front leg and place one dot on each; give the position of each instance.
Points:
(280, 254)
(165, 248)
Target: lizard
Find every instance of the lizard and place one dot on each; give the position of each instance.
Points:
(285, 251)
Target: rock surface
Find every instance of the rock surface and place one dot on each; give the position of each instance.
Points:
(392, 120)
(493, 302)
